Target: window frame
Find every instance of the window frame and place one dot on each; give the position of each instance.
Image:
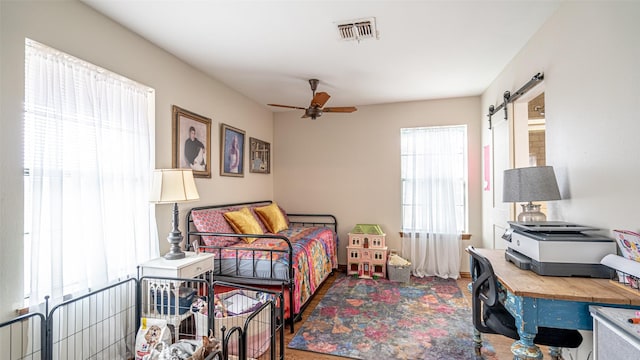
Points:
(462, 206)
(35, 110)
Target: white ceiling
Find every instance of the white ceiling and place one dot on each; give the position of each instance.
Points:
(267, 50)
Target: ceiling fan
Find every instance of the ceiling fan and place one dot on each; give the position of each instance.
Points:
(316, 109)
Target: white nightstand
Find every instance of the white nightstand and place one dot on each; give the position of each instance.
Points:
(191, 266)
(165, 304)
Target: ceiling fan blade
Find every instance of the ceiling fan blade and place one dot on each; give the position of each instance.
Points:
(340, 109)
(287, 106)
(320, 99)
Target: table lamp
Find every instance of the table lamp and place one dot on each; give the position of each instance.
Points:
(529, 184)
(173, 186)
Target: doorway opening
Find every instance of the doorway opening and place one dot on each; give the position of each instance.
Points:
(529, 131)
(537, 131)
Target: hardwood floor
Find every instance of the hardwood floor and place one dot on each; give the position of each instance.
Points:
(501, 344)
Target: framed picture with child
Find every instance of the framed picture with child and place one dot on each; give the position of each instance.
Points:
(191, 142)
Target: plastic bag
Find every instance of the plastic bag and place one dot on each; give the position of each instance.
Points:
(151, 333)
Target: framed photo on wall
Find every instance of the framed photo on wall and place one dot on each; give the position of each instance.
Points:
(191, 142)
(259, 156)
(231, 151)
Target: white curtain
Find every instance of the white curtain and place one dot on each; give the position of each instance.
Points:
(430, 179)
(89, 155)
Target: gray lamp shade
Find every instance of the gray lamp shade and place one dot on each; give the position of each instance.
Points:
(536, 183)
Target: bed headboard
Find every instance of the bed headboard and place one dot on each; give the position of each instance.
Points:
(189, 220)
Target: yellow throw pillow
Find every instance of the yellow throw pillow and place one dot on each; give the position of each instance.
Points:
(272, 218)
(243, 222)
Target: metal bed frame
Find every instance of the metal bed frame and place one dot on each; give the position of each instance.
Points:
(305, 220)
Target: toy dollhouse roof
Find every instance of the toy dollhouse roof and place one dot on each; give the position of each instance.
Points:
(372, 229)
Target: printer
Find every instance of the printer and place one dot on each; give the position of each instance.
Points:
(556, 248)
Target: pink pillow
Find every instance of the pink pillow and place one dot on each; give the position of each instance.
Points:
(212, 220)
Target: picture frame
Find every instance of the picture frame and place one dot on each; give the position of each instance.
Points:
(231, 151)
(259, 156)
(191, 152)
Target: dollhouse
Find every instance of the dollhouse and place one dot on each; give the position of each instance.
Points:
(367, 252)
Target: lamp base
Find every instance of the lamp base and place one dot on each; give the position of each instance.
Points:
(174, 256)
(175, 252)
(175, 238)
(531, 213)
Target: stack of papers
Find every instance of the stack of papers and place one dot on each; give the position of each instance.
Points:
(239, 303)
(621, 264)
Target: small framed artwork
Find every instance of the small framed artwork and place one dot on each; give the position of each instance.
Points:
(259, 156)
(191, 142)
(231, 151)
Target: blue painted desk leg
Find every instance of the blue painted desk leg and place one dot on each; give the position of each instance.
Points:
(555, 353)
(477, 337)
(524, 311)
(477, 340)
(525, 349)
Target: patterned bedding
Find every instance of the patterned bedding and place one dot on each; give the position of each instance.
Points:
(314, 253)
(314, 258)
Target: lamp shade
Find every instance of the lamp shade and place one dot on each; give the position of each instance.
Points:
(536, 183)
(172, 186)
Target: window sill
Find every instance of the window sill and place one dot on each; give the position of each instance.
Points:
(465, 237)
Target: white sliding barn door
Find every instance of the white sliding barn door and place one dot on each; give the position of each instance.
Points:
(502, 150)
(510, 144)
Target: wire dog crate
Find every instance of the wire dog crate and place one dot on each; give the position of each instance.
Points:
(102, 324)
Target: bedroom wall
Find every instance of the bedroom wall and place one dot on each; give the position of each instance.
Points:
(589, 53)
(74, 28)
(349, 164)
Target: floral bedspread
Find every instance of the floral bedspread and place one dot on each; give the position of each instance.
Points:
(314, 257)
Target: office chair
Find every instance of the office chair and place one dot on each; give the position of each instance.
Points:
(491, 317)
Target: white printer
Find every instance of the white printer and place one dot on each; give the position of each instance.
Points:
(558, 248)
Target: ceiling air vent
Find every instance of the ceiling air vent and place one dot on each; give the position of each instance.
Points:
(358, 29)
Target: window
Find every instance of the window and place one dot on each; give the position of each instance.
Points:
(88, 159)
(433, 159)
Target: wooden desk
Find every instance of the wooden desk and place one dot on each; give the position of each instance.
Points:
(550, 301)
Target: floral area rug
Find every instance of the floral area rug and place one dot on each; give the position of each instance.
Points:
(427, 318)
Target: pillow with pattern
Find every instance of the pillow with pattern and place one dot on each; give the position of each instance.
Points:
(212, 220)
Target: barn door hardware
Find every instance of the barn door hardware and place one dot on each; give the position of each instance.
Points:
(508, 97)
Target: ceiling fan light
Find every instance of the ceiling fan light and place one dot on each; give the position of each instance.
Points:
(313, 112)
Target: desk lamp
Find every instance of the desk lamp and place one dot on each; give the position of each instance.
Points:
(173, 186)
(529, 184)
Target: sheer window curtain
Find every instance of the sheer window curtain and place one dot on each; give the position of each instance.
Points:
(88, 158)
(430, 178)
